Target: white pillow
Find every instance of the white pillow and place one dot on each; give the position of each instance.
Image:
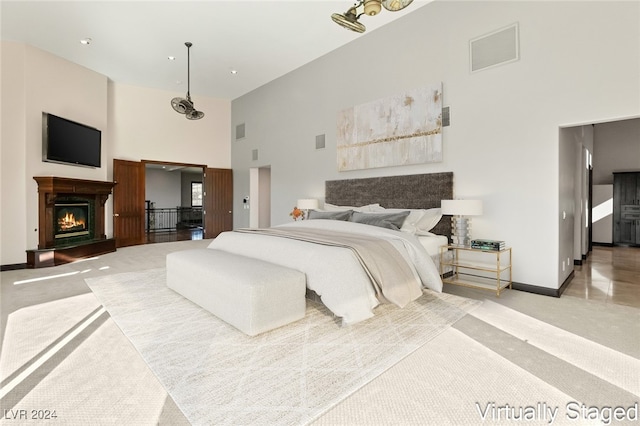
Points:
(419, 221)
(429, 220)
(364, 209)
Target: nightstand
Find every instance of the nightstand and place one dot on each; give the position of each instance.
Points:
(484, 269)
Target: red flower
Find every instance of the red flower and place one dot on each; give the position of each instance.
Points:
(297, 214)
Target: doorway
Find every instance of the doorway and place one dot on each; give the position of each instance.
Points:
(173, 202)
(259, 202)
(131, 206)
(589, 155)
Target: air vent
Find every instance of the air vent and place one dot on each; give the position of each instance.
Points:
(446, 117)
(496, 48)
(254, 155)
(320, 142)
(240, 131)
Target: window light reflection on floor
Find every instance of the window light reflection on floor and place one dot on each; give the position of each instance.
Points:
(48, 277)
(51, 277)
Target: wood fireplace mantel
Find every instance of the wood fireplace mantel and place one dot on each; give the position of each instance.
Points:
(50, 252)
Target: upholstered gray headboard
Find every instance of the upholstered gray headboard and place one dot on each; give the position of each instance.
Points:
(404, 192)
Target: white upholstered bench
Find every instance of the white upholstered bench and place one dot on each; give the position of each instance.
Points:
(250, 294)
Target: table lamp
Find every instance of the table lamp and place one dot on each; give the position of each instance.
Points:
(306, 204)
(460, 223)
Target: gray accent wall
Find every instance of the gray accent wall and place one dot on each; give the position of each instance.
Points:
(503, 146)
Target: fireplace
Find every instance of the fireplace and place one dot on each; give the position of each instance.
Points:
(71, 221)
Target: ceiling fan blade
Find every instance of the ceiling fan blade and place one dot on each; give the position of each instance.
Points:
(181, 105)
(194, 115)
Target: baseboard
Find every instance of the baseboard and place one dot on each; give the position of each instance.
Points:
(544, 291)
(13, 267)
(565, 284)
(602, 244)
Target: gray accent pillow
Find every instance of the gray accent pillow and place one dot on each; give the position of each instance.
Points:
(339, 215)
(384, 220)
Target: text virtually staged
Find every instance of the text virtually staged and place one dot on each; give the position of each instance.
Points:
(543, 412)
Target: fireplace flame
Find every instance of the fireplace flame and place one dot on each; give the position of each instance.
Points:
(69, 221)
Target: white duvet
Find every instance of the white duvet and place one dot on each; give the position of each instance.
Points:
(334, 273)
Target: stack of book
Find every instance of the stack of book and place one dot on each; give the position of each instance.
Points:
(487, 245)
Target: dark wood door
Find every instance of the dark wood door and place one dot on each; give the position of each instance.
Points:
(218, 201)
(128, 202)
(626, 208)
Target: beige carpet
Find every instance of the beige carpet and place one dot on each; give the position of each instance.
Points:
(292, 375)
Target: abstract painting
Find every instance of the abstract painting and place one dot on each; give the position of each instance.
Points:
(395, 131)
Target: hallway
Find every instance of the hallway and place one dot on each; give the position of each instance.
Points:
(610, 274)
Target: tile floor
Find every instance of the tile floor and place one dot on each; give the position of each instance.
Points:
(610, 274)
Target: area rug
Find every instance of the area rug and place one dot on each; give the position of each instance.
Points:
(288, 376)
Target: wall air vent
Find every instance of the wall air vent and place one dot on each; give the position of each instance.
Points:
(254, 155)
(240, 131)
(320, 142)
(496, 48)
(446, 117)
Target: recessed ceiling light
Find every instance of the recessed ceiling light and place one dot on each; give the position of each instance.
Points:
(171, 58)
(234, 72)
(86, 41)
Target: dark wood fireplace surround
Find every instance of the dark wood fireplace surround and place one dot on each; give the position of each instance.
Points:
(50, 252)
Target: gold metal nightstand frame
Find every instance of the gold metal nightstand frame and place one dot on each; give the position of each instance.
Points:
(466, 277)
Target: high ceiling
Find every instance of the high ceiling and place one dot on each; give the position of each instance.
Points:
(132, 40)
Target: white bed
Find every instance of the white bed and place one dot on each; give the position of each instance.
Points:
(432, 244)
(335, 273)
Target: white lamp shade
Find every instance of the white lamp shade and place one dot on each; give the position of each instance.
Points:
(462, 207)
(307, 204)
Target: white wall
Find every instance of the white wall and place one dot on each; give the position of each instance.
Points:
(569, 161)
(576, 145)
(142, 124)
(13, 181)
(616, 149)
(136, 123)
(163, 188)
(506, 117)
(34, 81)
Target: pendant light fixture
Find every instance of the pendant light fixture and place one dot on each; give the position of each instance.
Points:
(185, 105)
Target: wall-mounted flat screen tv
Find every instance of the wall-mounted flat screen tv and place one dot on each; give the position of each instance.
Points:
(68, 142)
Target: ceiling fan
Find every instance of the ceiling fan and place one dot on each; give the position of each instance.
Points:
(185, 106)
(349, 19)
